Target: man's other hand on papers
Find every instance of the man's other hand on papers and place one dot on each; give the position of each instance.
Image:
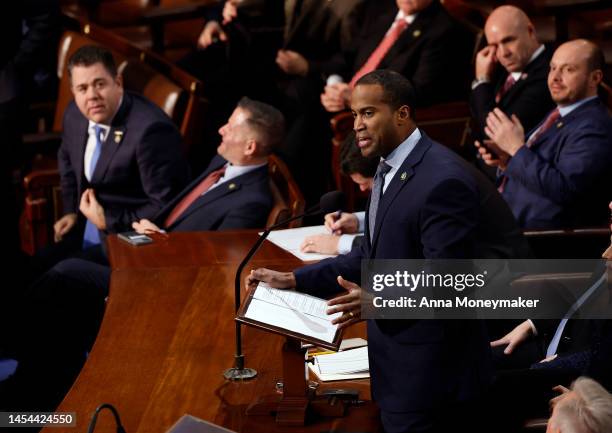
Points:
(278, 280)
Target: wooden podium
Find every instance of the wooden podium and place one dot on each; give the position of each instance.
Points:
(167, 336)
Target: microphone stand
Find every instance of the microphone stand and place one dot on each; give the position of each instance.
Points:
(239, 371)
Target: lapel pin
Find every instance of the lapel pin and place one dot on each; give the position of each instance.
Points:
(559, 125)
(118, 136)
(404, 176)
(416, 33)
(231, 186)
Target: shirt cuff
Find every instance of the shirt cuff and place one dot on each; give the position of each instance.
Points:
(533, 328)
(478, 82)
(361, 220)
(345, 243)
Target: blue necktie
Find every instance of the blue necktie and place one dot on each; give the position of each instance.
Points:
(91, 237)
(377, 190)
(554, 343)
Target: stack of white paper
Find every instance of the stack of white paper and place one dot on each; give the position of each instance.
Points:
(346, 362)
(347, 365)
(291, 239)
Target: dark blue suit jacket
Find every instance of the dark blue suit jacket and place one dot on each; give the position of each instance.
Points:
(140, 169)
(563, 180)
(242, 202)
(442, 208)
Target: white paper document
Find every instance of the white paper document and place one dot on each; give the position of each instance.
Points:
(291, 239)
(293, 311)
(346, 365)
(345, 362)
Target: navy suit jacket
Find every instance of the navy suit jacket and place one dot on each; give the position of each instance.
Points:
(528, 99)
(242, 202)
(441, 208)
(563, 180)
(140, 169)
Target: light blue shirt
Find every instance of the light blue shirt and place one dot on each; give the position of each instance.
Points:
(345, 243)
(396, 158)
(233, 171)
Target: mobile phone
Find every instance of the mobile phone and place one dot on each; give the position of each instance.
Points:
(135, 238)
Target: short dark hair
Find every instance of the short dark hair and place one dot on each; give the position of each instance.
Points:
(352, 161)
(596, 58)
(267, 121)
(397, 89)
(89, 55)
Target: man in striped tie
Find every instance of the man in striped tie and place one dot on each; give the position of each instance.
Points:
(558, 175)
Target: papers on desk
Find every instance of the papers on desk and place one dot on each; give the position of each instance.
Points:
(291, 239)
(294, 312)
(345, 365)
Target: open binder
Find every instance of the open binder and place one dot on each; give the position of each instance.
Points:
(292, 314)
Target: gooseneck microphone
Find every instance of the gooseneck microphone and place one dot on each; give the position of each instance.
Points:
(329, 202)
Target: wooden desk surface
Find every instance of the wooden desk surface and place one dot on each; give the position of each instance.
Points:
(168, 334)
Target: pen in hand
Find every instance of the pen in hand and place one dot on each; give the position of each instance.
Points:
(337, 217)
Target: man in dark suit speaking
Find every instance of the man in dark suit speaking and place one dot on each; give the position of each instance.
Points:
(426, 202)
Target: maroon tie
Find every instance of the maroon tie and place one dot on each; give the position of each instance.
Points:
(550, 120)
(381, 50)
(510, 81)
(196, 192)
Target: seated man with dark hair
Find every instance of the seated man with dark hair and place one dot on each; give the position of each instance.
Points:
(346, 228)
(120, 157)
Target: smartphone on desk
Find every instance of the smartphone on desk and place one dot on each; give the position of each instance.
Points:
(135, 238)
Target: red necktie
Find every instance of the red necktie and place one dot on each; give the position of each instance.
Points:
(381, 50)
(552, 118)
(510, 81)
(196, 192)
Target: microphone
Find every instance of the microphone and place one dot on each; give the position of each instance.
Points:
(329, 202)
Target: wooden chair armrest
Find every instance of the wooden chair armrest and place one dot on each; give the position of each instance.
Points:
(164, 14)
(40, 179)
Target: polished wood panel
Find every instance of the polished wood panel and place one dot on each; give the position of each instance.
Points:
(168, 334)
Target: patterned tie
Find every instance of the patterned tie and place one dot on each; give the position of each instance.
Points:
(91, 237)
(377, 191)
(193, 195)
(381, 50)
(550, 120)
(510, 81)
